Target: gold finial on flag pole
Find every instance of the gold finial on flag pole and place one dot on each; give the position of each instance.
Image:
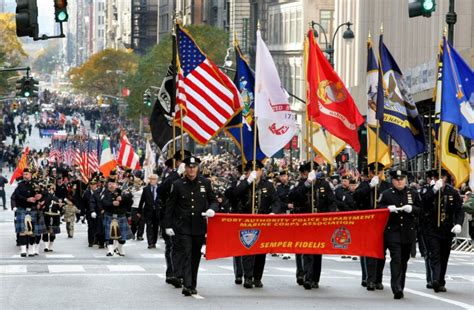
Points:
(381, 28)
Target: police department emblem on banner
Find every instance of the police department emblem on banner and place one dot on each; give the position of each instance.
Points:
(248, 237)
(341, 238)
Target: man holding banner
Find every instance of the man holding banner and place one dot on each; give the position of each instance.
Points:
(400, 231)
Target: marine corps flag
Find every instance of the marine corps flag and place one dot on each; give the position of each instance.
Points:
(376, 144)
(396, 109)
(454, 156)
(329, 102)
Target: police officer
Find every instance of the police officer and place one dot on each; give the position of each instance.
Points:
(343, 195)
(400, 231)
(173, 270)
(89, 200)
(265, 201)
(299, 206)
(283, 190)
(320, 198)
(365, 199)
(439, 237)
(191, 201)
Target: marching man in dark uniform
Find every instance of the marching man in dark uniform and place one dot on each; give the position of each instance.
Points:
(344, 200)
(149, 206)
(400, 232)
(324, 201)
(364, 196)
(439, 238)
(191, 201)
(266, 202)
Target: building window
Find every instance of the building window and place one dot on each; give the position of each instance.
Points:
(280, 26)
(299, 35)
(326, 18)
(293, 27)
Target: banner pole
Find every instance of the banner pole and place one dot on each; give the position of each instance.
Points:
(313, 209)
(242, 149)
(254, 162)
(173, 83)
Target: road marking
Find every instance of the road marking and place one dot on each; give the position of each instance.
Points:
(65, 268)
(59, 256)
(77, 274)
(226, 268)
(125, 268)
(197, 296)
(7, 269)
(152, 255)
(446, 300)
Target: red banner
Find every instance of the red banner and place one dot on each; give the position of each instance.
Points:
(348, 233)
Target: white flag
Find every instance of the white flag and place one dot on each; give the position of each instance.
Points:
(276, 122)
(149, 162)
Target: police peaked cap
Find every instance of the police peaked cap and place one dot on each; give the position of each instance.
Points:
(398, 174)
(191, 161)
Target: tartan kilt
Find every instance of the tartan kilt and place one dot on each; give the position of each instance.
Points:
(20, 215)
(52, 223)
(125, 231)
(40, 225)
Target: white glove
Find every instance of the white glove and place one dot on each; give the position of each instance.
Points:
(432, 182)
(242, 177)
(374, 182)
(393, 209)
(14, 209)
(456, 229)
(406, 208)
(181, 168)
(169, 232)
(93, 215)
(209, 213)
(311, 176)
(81, 218)
(252, 177)
(438, 185)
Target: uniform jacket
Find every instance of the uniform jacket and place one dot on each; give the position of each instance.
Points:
(266, 198)
(344, 199)
(324, 200)
(107, 203)
(187, 201)
(364, 195)
(401, 226)
(23, 191)
(147, 204)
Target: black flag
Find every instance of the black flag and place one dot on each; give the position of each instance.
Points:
(161, 120)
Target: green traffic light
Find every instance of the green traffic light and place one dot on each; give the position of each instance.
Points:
(428, 5)
(26, 94)
(61, 16)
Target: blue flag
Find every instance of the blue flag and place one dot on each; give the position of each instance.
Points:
(396, 109)
(245, 81)
(458, 92)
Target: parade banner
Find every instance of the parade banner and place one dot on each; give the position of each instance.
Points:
(347, 233)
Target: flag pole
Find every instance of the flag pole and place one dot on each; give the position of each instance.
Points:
(254, 167)
(312, 165)
(242, 149)
(173, 85)
(377, 134)
(309, 129)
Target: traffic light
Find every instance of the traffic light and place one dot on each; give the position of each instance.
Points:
(19, 87)
(421, 7)
(26, 87)
(147, 98)
(60, 11)
(26, 18)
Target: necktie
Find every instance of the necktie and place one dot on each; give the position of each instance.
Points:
(153, 190)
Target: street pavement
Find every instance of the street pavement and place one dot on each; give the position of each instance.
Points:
(75, 276)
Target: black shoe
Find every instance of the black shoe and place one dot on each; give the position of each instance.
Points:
(238, 280)
(23, 254)
(101, 246)
(152, 246)
(379, 286)
(31, 255)
(91, 245)
(46, 250)
(194, 291)
(315, 285)
(186, 291)
(436, 286)
(442, 289)
(257, 283)
(371, 286)
(300, 280)
(429, 285)
(140, 238)
(307, 285)
(354, 258)
(398, 295)
(175, 282)
(109, 254)
(363, 283)
(248, 283)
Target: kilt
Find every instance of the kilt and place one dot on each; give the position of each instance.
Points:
(40, 225)
(125, 231)
(20, 215)
(52, 223)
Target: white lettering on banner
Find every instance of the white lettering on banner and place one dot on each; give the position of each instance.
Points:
(337, 115)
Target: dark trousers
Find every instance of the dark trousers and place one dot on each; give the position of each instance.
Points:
(374, 269)
(25, 240)
(439, 249)
(152, 221)
(190, 249)
(238, 267)
(254, 266)
(2, 195)
(138, 225)
(399, 254)
(49, 237)
(91, 229)
(299, 266)
(168, 254)
(426, 255)
(312, 267)
(363, 267)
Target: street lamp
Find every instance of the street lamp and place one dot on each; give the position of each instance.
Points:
(347, 35)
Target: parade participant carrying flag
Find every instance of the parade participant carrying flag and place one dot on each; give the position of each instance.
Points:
(396, 109)
(21, 165)
(451, 146)
(458, 91)
(206, 96)
(107, 161)
(378, 147)
(127, 156)
(275, 120)
(329, 102)
(241, 127)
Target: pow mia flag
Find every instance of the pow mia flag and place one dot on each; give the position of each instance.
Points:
(161, 120)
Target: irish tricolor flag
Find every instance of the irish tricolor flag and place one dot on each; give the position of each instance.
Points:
(107, 160)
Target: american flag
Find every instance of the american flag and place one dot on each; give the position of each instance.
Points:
(127, 156)
(92, 153)
(81, 159)
(207, 96)
(55, 153)
(68, 153)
